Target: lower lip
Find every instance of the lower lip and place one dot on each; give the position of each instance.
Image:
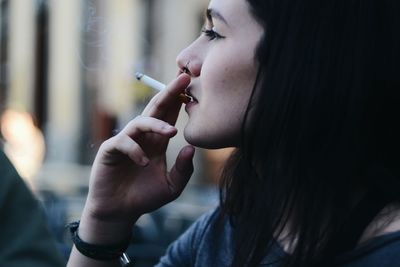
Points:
(190, 105)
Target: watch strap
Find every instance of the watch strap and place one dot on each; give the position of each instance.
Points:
(97, 252)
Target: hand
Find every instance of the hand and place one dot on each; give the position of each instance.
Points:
(129, 176)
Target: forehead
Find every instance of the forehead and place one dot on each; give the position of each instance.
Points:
(237, 15)
(234, 11)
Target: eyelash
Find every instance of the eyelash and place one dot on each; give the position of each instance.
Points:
(211, 34)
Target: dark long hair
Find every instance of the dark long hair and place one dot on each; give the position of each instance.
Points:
(321, 125)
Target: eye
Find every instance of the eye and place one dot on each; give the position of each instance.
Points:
(212, 34)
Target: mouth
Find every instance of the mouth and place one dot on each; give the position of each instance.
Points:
(189, 95)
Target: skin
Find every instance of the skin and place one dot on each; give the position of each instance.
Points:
(129, 176)
(228, 71)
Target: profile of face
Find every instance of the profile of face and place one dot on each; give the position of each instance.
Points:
(223, 69)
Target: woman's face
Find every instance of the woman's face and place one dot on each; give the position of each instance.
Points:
(223, 70)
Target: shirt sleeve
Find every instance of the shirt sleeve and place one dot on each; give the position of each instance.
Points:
(183, 251)
(24, 237)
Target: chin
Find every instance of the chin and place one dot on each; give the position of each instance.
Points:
(207, 141)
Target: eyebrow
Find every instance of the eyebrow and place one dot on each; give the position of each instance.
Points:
(212, 13)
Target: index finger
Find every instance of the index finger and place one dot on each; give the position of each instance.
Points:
(168, 99)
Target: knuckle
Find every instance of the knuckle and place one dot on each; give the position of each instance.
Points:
(106, 144)
(134, 121)
(140, 120)
(138, 117)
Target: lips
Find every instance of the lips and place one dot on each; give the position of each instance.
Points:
(189, 94)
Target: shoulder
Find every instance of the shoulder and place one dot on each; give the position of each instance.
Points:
(196, 246)
(12, 186)
(17, 204)
(206, 222)
(383, 251)
(14, 192)
(200, 229)
(6, 168)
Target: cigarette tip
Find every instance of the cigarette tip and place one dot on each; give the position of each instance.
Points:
(138, 75)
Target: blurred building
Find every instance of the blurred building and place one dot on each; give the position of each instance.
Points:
(67, 68)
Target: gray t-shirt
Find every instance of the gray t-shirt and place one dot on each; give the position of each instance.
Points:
(206, 243)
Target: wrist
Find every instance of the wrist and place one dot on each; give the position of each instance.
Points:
(100, 231)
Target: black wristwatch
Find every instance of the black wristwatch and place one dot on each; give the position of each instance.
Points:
(100, 252)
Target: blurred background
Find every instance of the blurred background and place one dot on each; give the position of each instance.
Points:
(67, 84)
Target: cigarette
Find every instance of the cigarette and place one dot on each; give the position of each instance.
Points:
(150, 81)
(153, 83)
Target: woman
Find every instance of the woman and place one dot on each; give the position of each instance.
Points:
(308, 93)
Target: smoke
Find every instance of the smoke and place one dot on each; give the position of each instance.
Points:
(94, 34)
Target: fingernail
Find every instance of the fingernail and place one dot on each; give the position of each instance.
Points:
(168, 127)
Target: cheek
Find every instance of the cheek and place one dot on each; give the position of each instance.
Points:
(227, 74)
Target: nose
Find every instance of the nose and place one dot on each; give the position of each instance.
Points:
(189, 60)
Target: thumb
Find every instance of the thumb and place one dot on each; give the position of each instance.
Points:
(181, 171)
